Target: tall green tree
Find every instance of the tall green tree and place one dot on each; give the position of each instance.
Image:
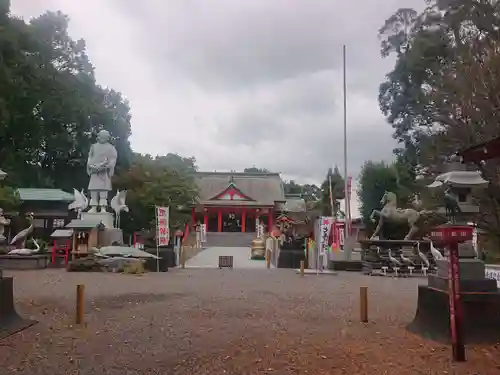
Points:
(50, 105)
(335, 179)
(173, 162)
(255, 170)
(441, 96)
(153, 185)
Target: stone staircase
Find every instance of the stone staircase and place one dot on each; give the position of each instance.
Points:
(229, 239)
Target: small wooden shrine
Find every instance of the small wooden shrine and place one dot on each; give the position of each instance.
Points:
(86, 236)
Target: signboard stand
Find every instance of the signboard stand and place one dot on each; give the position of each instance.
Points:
(162, 231)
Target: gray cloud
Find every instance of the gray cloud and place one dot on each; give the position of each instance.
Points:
(242, 83)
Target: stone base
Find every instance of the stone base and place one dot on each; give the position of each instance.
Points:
(112, 236)
(466, 285)
(345, 265)
(10, 321)
(106, 218)
(481, 321)
(24, 262)
(469, 268)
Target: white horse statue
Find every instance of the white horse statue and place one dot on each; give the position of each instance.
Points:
(390, 212)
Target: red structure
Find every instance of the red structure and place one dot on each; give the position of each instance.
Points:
(61, 249)
(450, 236)
(235, 202)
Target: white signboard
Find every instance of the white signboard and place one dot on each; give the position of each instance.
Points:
(493, 273)
(203, 233)
(260, 231)
(162, 227)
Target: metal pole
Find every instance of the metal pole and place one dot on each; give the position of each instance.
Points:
(346, 195)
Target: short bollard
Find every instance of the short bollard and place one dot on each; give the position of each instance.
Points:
(363, 304)
(302, 268)
(268, 259)
(183, 257)
(80, 289)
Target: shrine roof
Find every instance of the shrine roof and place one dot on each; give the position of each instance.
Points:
(35, 194)
(482, 151)
(260, 188)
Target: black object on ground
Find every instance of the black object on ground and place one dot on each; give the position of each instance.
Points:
(290, 258)
(10, 321)
(167, 259)
(226, 261)
(346, 265)
(167, 255)
(481, 316)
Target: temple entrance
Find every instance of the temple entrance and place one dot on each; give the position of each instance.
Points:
(231, 222)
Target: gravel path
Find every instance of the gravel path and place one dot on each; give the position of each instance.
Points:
(210, 321)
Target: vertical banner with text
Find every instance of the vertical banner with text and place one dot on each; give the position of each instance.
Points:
(324, 234)
(162, 226)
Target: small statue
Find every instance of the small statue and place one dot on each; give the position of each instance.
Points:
(451, 205)
(80, 202)
(3, 222)
(101, 167)
(118, 205)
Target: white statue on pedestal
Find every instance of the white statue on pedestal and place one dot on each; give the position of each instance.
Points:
(101, 167)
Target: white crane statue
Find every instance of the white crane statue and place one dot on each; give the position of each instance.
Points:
(80, 203)
(118, 205)
(20, 239)
(26, 251)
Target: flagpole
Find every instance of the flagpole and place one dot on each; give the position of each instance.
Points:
(157, 241)
(347, 204)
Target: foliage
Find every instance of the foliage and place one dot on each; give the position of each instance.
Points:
(255, 170)
(9, 199)
(378, 177)
(50, 104)
(442, 94)
(153, 185)
(171, 161)
(334, 178)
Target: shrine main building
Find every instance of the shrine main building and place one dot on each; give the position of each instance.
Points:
(232, 201)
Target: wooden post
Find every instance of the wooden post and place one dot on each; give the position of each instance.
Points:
(363, 304)
(302, 268)
(183, 257)
(268, 259)
(80, 289)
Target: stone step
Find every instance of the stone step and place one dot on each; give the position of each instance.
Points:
(230, 239)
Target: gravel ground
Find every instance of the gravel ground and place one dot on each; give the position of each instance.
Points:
(210, 321)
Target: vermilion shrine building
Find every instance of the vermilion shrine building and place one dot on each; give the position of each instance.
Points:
(232, 202)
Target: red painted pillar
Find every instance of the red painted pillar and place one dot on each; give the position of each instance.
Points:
(219, 221)
(193, 217)
(243, 220)
(270, 220)
(205, 221)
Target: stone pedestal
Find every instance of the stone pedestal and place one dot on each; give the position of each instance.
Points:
(10, 321)
(472, 269)
(96, 217)
(481, 316)
(466, 285)
(110, 235)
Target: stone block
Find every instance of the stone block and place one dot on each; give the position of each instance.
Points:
(466, 285)
(469, 269)
(24, 262)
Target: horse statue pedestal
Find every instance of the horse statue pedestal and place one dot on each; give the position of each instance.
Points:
(382, 257)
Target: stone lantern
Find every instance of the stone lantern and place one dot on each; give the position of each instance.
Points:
(459, 301)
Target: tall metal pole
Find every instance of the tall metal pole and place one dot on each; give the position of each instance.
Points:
(346, 191)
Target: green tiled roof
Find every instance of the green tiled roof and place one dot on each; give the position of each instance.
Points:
(34, 194)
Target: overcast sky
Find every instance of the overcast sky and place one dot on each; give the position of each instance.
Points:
(241, 83)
